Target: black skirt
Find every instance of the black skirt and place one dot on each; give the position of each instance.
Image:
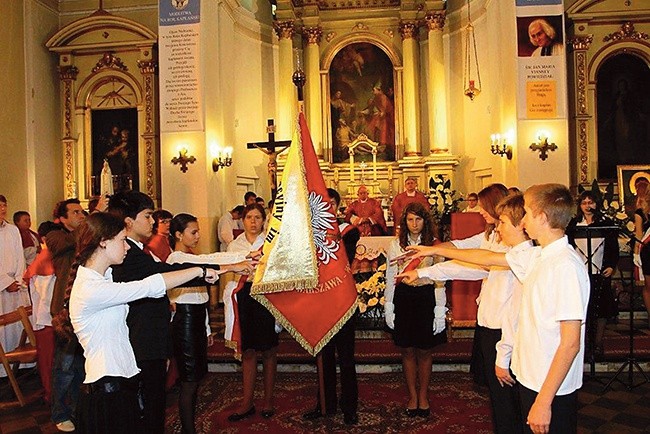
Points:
(414, 317)
(110, 405)
(190, 340)
(645, 259)
(257, 324)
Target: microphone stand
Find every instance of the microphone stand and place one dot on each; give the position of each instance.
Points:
(630, 362)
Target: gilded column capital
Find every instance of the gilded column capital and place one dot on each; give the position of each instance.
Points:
(581, 42)
(284, 29)
(627, 32)
(313, 35)
(408, 29)
(147, 66)
(68, 72)
(435, 20)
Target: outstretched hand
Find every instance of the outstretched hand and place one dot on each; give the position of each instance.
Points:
(407, 277)
(421, 251)
(211, 276)
(243, 267)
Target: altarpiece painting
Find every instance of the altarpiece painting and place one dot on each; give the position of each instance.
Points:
(362, 100)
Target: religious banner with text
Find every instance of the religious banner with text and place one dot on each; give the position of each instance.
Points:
(541, 59)
(304, 278)
(179, 31)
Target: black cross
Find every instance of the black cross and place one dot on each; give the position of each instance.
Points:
(269, 148)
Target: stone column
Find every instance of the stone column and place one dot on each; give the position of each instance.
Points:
(411, 137)
(436, 84)
(312, 36)
(68, 75)
(580, 45)
(148, 68)
(286, 90)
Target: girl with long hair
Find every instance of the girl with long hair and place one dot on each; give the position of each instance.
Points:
(415, 311)
(642, 250)
(191, 334)
(98, 308)
(496, 316)
(604, 257)
(258, 331)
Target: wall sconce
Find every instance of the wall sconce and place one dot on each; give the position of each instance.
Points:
(223, 158)
(500, 145)
(183, 159)
(542, 145)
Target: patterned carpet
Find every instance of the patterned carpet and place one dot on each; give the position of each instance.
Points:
(457, 406)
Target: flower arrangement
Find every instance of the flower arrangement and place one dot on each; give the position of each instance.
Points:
(611, 209)
(371, 291)
(444, 201)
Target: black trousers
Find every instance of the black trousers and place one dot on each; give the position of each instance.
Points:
(153, 376)
(506, 413)
(342, 344)
(564, 411)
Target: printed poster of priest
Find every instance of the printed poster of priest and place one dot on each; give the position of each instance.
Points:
(540, 36)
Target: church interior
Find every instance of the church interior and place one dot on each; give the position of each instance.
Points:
(71, 65)
(434, 90)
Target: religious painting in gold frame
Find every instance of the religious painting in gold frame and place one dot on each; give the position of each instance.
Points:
(362, 100)
(115, 139)
(629, 179)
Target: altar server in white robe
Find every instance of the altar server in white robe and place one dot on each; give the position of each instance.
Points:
(13, 291)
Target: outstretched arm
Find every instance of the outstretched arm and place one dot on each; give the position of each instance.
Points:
(483, 257)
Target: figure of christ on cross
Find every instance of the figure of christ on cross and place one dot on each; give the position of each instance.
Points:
(269, 148)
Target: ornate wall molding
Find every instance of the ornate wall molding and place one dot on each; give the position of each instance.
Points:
(110, 61)
(284, 29)
(584, 152)
(581, 42)
(68, 172)
(68, 72)
(147, 66)
(435, 20)
(313, 35)
(67, 108)
(627, 32)
(408, 29)
(581, 72)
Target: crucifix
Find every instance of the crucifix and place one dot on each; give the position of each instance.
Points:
(269, 148)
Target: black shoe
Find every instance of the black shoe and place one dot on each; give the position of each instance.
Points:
(424, 412)
(350, 419)
(312, 415)
(411, 412)
(267, 414)
(236, 417)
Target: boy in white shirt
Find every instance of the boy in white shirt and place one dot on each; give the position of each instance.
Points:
(548, 352)
(499, 306)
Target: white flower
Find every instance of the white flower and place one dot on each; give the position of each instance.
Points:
(621, 216)
(440, 187)
(449, 200)
(630, 226)
(605, 204)
(614, 205)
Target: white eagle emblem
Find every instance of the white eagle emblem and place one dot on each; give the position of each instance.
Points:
(321, 221)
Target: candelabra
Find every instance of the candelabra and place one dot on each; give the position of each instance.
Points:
(500, 145)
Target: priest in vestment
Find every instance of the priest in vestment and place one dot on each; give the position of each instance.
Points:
(366, 214)
(409, 195)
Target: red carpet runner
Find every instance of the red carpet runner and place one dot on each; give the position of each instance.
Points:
(456, 406)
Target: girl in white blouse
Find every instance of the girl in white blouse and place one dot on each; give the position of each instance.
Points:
(109, 402)
(191, 333)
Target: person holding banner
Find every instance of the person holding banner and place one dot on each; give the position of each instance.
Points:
(256, 324)
(415, 311)
(342, 344)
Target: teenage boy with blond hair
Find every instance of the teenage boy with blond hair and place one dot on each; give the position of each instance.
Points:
(549, 346)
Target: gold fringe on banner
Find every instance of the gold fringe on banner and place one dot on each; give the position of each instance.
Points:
(296, 334)
(289, 260)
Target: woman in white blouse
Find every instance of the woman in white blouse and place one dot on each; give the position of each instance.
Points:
(191, 333)
(257, 325)
(415, 311)
(109, 402)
